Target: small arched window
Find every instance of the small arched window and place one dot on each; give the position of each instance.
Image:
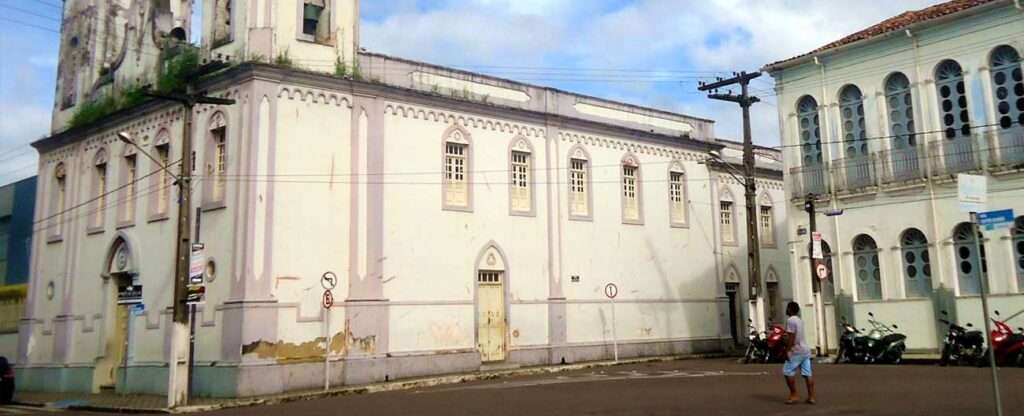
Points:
(810, 131)
(677, 194)
(851, 108)
(970, 264)
(766, 220)
(456, 169)
(1018, 251)
(99, 187)
(868, 272)
(631, 210)
(917, 266)
(901, 111)
(520, 194)
(727, 217)
(1008, 88)
(949, 79)
(579, 184)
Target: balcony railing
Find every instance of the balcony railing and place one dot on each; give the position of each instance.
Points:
(951, 157)
(854, 174)
(1006, 149)
(808, 180)
(901, 165)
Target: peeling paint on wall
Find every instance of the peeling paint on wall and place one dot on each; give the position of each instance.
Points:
(282, 351)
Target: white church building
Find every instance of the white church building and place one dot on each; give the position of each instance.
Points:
(472, 221)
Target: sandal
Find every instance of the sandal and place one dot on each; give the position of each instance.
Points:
(811, 401)
(791, 401)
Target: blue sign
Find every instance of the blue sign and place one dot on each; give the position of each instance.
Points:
(993, 220)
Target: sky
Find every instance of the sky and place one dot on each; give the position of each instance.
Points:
(646, 52)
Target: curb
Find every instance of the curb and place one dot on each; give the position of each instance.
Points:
(385, 387)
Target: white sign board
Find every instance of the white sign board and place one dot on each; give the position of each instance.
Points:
(197, 265)
(816, 251)
(972, 192)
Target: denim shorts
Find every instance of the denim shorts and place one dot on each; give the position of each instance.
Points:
(795, 361)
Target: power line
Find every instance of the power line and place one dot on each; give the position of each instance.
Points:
(32, 25)
(55, 6)
(31, 13)
(855, 140)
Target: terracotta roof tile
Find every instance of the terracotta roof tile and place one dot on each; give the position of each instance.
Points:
(898, 22)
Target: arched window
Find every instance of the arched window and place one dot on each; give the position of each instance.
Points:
(917, 266)
(968, 259)
(631, 210)
(1008, 87)
(521, 177)
(579, 184)
(456, 169)
(727, 217)
(828, 287)
(677, 194)
(868, 273)
(810, 131)
(958, 151)
(99, 188)
(1018, 251)
(766, 220)
(219, 166)
(810, 145)
(900, 103)
(851, 108)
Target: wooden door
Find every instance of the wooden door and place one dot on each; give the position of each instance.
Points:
(491, 316)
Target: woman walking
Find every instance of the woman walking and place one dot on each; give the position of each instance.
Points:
(799, 355)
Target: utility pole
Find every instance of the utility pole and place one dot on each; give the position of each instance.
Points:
(749, 185)
(180, 357)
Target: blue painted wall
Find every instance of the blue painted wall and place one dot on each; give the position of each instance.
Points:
(19, 239)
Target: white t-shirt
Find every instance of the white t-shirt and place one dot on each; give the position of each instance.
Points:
(795, 326)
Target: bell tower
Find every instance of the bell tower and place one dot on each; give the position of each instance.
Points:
(107, 46)
(311, 34)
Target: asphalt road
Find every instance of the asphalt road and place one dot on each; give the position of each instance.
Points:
(707, 387)
(704, 387)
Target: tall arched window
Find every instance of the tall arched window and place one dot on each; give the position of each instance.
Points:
(949, 80)
(579, 184)
(727, 217)
(99, 189)
(1008, 87)
(917, 266)
(810, 145)
(1018, 251)
(968, 259)
(855, 143)
(868, 273)
(677, 194)
(828, 286)
(457, 164)
(632, 212)
(900, 104)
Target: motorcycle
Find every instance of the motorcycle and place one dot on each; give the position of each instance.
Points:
(961, 344)
(882, 344)
(1008, 346)
(765, 346)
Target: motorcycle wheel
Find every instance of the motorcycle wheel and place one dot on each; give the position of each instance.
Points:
(1020, 359)
(944, 360)
(982, 359)
(898, 356)
(839, 357)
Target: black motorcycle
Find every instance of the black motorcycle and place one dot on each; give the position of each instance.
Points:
(881, 345)
(962, 345)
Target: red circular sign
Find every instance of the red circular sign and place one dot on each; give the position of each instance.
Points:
(611, 291)
(328, 300)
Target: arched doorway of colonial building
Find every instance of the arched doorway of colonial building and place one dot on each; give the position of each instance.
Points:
(732, 291)
(120, 284)
(491, 318)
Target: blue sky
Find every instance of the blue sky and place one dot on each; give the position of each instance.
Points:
(648, 52)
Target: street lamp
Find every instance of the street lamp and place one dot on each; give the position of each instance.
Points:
(746, 179)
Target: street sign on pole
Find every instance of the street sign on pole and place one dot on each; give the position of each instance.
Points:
(611, 291)
(197, 264)
(994, 220)
(822, 271)
(329, 281)
(972, 192)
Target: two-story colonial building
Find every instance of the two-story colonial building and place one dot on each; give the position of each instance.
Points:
(878, 124)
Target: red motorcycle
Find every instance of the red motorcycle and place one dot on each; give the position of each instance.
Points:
(1007, 345)
(766, 347)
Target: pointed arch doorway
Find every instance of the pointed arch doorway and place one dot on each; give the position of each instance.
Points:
(491, 317)
(119, 275)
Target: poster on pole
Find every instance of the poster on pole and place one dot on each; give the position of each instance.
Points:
(816, 251)
(972, 192)
(197, 264)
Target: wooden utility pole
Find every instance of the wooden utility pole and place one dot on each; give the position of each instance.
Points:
(749, 183)
(180, 362)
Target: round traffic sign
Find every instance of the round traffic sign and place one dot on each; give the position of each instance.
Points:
(822, 271)
(328, 300)
(328, 281)
(611, 291)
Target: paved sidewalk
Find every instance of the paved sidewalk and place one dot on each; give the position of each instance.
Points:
(110, 402)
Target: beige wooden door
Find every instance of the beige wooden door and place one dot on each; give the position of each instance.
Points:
(491, 315)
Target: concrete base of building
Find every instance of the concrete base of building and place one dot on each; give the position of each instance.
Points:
(266, 378)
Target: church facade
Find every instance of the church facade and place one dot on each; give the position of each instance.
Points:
(471, 221)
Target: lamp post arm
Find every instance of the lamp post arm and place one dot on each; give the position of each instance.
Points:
(164, 168)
